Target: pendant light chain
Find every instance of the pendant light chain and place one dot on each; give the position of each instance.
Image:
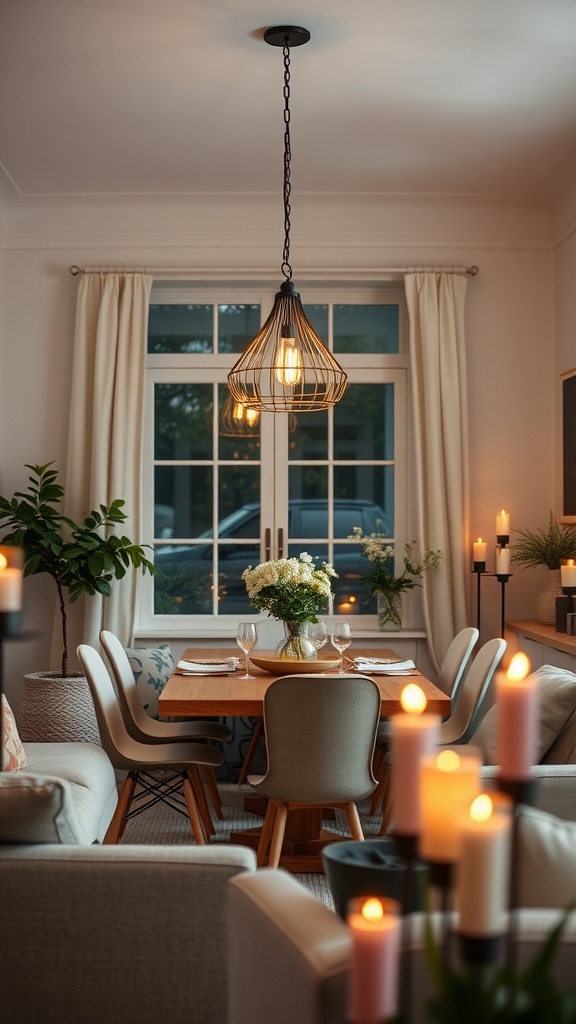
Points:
(286, 268)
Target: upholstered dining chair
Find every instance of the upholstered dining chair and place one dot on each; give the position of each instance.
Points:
(473, 702)
(320, 733)
(180, 789)
(450, 679)
(149, 730)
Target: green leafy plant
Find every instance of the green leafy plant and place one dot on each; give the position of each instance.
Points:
(498, 993)
(78, 557)
(550, 547)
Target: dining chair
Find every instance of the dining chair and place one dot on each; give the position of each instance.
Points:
(320, 734)
(450, 679)
(180, 788)
(145, 729)
(472, 703)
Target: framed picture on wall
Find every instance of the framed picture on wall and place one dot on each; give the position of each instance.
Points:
(568, 381)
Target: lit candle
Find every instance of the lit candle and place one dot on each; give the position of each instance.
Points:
(449, 781)
(568, 574)
(375, 931)
(414, 734)
(503, 524)
(10, 581)
(502, 561)
(482, 875)
(517, 710)
(479, 550)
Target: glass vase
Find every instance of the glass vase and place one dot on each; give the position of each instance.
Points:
(389, 610)
(296, 646)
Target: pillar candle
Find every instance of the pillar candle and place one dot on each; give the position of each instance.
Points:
(568, 574)
(483, 867)
(375, 930)
(517, 711)
(449, 782)
(479, 550)
(502, 561)
(10, 584)
(503, 524)
(414, 734)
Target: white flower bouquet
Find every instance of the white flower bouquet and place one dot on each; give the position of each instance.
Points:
(290, 589)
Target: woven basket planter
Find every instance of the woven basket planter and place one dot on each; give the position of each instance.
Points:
(57, 709)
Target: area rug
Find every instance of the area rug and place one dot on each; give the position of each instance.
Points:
(160, 825)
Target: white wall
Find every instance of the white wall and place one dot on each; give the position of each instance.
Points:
(510, 328)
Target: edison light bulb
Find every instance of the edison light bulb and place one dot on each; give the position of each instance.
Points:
(288, 365)
(252, 416)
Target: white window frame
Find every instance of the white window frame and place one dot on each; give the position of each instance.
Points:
(213, 367)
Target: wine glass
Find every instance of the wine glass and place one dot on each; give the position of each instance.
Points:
(246, 637)
(318, 634)
(341, 639)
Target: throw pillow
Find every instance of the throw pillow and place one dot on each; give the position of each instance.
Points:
(152, 668)
(13, 753)
(546, 862)
(556, 703)
(38, 809)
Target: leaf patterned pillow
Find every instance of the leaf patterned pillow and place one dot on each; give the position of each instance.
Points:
(152, 667)
(13, 753)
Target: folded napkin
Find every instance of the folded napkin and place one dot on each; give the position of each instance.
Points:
(383, 665)
(206, 668)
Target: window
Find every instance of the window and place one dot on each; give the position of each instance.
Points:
(217, 502)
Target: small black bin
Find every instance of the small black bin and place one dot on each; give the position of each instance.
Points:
(371, 868)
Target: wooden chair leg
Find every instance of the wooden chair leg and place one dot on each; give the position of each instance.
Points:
(213, 792)
(198, 787)
(278, 835)
(354, 822)
(117, 825)
(386, 806)
(256, 734)
(266, 834)
(193, 814)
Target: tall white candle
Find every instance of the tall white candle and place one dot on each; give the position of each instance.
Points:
(568, 574)
(10, 586)
(483, 867)
(375, 930)
(503, 524)
(479, 548)
(517, 711)
(414, 734)
(449, 781)
(502, 561)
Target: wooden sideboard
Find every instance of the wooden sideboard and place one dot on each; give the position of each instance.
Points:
(542, 644)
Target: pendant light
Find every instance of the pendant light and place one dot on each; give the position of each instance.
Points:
(237, 420)
(287, 368)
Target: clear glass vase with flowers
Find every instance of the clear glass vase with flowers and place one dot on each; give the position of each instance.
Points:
(382, 581)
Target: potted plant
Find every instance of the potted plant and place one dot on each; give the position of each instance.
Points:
(81, 558)
(549, 547)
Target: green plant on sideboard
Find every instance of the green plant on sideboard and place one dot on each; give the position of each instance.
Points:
(81, 558)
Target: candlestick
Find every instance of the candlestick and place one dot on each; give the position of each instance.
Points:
(503, 527)
(568, 576)
(11, 562)
(449, 781)
(502, 561)
(517, 709)
(414, 734)
(483, 867)
(479, 551)
(375, 931)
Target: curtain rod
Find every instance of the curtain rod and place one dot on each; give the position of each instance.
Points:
(74, 270)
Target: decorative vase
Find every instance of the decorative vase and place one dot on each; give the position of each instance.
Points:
(390, 610)
(296, 645)
(57, 709)
(546, 608)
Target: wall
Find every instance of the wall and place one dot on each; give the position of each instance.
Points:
(510, 329)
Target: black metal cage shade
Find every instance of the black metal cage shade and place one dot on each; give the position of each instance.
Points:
(287, 368)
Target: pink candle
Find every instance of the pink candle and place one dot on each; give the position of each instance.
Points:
(517, 701)
(482, 887)
(414, 734)
(375, 930)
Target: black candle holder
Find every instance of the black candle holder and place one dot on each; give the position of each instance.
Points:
(480, 949)
(502, 539)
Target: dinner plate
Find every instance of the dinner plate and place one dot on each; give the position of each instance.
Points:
(277, 667)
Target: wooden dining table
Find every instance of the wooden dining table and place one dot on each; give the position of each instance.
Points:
(230, 695)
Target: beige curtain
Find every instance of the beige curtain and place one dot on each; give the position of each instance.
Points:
(106, 425)
(439, 390)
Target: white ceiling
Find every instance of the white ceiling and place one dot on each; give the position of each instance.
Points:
(182, 96)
